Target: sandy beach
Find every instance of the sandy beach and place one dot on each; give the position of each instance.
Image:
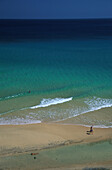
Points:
(22, 140)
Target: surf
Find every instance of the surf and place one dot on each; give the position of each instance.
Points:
(98, 103)
(49, 102)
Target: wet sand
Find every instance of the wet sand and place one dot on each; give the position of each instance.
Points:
(18, 141)
(99, 118)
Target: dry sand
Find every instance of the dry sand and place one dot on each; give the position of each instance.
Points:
(42, 135)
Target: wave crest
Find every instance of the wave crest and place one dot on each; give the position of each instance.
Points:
(98, 103)
(49, 102)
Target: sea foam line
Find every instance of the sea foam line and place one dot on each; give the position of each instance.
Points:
(92, 103)
(98, 103)
(18, 121)
(49, 102)
(43, 103)
(95, 104)
(13, 96)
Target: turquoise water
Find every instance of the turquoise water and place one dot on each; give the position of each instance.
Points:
(54, 78)
(78, 154)
(65, 156)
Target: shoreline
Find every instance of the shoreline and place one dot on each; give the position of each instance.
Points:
(55, 133)
(98, 118)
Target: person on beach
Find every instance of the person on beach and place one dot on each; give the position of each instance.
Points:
(91, 129)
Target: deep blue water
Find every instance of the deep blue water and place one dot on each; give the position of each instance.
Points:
(63, 64)
(15, 30)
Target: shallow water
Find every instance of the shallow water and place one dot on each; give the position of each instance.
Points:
(64, 156)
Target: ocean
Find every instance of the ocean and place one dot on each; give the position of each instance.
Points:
(52, 70)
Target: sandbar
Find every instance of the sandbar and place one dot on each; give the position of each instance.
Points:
(16, 140)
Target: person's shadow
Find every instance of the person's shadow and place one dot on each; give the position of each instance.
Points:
(88, 132)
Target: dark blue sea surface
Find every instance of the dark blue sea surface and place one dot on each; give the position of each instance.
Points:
(51, 70)
(14, 30)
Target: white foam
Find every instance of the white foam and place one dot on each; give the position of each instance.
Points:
(98, 103)
(13, 96)
(92, 104)
(49, 102)
(96, 126)
(18, 121)
(44, 103)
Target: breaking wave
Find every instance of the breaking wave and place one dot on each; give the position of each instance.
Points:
(49, 102)
(98, 103)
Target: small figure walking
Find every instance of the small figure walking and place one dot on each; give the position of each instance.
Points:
(91, 129)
